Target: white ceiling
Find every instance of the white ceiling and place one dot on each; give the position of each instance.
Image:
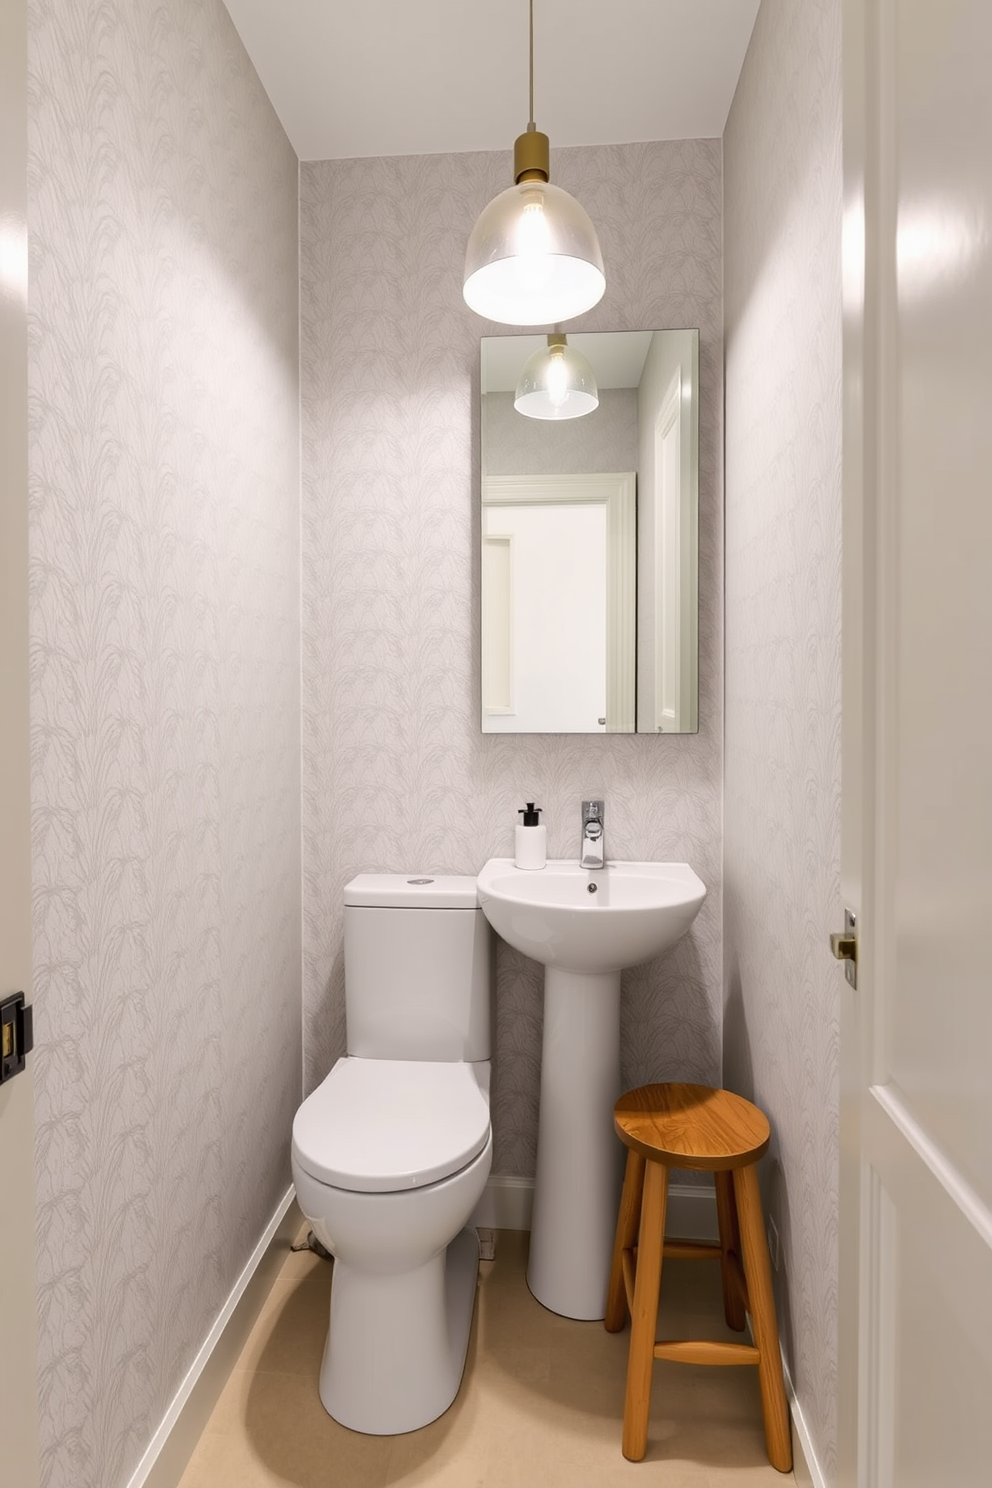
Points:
(412, 77)
(617, 357)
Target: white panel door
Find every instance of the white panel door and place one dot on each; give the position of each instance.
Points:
(916, 1179)
(18, 1388)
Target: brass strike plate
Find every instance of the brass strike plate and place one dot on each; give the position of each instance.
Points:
(845, 947)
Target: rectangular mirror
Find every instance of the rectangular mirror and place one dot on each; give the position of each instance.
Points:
(590, 535)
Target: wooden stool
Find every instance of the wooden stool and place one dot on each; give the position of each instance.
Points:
(712, 1131)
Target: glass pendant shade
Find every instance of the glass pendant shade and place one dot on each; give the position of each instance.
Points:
(533, 257)
(557, 382)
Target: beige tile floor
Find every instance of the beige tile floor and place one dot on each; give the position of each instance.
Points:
(540, 1404)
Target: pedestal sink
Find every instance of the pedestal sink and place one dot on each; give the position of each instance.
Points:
(585, 926)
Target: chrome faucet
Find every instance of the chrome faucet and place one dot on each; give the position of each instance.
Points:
(592, 853)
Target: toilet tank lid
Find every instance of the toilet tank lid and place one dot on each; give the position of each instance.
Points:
(413, 891)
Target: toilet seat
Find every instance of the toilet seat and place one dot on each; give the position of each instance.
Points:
(385, 1125)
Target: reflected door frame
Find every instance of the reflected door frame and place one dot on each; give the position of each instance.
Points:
(675, 703)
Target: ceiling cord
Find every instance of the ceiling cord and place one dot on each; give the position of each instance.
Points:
(531, 124)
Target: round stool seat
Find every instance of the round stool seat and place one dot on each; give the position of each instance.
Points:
(691, 1126)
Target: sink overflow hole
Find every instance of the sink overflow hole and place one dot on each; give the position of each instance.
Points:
(592, 888)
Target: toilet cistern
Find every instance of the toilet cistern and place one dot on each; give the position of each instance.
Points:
(592, 852)
(392, 1151)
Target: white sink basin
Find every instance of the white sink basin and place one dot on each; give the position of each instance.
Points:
(585, 926)
(590, 920)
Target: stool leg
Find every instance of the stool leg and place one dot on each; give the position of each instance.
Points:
(644, 1312)
(730, 1243)
(627, 1222)
(757, 1271)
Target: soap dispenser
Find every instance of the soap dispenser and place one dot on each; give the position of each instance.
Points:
(532, 839)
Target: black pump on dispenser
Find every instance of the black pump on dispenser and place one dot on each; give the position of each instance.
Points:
(531, 839)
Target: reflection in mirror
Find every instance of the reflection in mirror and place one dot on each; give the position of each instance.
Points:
(589, 543)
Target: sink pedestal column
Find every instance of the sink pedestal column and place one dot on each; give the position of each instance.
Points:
(579, 1156)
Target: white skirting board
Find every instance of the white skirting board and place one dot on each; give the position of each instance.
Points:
(805, 1465)
(508, 1201)
(506, 1204)
(171, 1447)
(808, 1472)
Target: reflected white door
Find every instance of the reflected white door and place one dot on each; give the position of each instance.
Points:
(544, 637)
(916, 1179)
(558, 603)
(18, 1387)
(668, 564)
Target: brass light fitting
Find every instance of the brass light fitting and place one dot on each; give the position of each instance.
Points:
(533, 257)
(556, 382)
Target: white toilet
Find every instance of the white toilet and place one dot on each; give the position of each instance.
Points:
(392, 1152)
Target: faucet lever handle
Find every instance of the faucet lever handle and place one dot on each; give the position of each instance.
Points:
(592, 811)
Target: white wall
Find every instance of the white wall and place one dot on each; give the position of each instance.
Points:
(164, 479)
(782, 234)
(397, 774)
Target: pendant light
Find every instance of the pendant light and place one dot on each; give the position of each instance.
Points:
(556, 382)
(533, 257)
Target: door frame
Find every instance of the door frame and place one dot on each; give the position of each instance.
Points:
(858, 558)
(18, 1336)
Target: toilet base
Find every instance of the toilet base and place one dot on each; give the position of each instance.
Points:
(396, 1344)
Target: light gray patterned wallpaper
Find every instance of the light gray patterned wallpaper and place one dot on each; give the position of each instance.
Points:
(396, 773)
(783, 187)
(165, 699)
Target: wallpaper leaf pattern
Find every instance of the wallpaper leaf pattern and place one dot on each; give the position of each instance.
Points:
(782, 813)
(396, 772)
(165, 634)
(165, 700)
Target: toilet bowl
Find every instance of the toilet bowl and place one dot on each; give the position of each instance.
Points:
(402, 1294)
(391, 1155)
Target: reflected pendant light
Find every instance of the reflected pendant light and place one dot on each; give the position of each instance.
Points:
(557, 382)
(533, 257)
